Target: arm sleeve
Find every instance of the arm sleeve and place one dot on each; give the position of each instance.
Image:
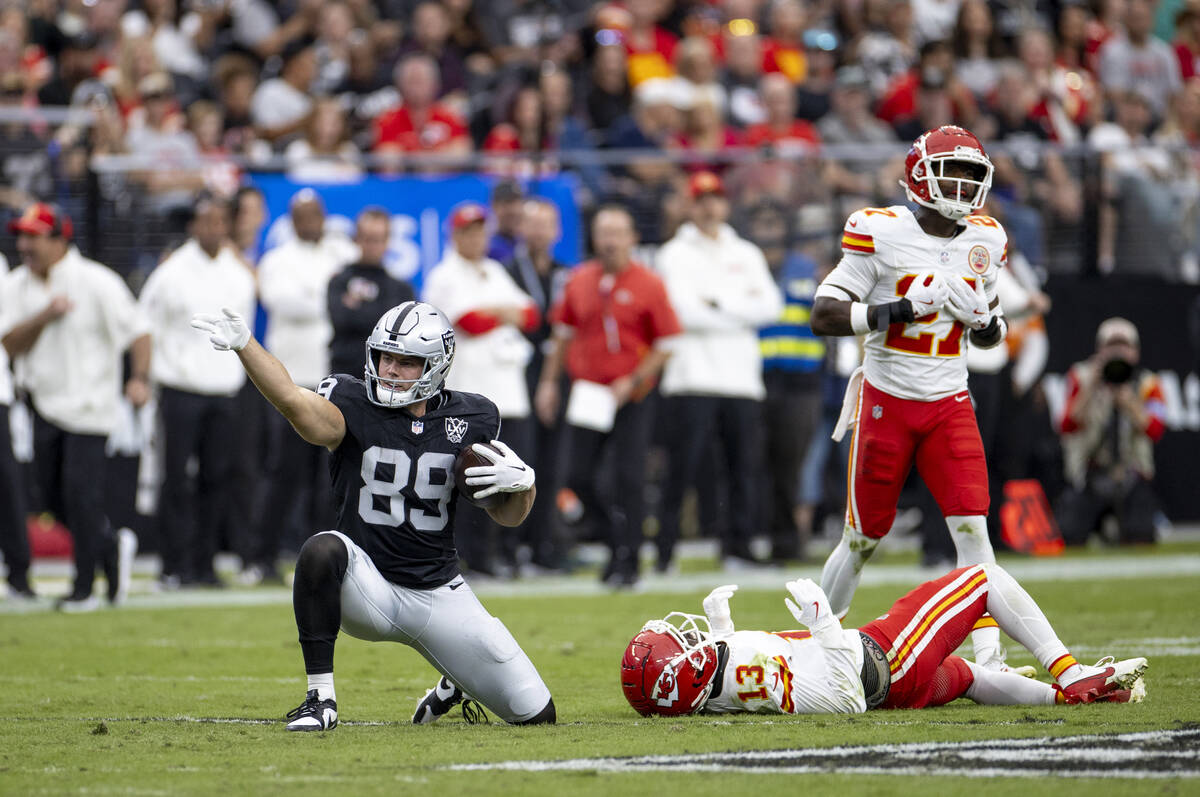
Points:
(1067, 424)
(1156, 409)
(340, 316)
(123, 317)
(845, 681)
(855, 275)
(476, 322)
(9, 315)
(760, 301)
(150, 297)
(694, 305)
(663, 321)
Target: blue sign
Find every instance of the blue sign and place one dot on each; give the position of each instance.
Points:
(420, 208)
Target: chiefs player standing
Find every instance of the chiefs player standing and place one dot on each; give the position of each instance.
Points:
(921, 287)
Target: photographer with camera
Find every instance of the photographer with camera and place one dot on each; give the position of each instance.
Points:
(1113, 415)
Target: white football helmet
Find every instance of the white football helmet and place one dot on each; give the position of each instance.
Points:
(416, 329)
(923, 171)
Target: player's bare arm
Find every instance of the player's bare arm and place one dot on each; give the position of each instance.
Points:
(313, 417)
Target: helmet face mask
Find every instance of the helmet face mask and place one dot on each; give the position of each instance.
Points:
(412, 329)
(670, 667)
(927, 182)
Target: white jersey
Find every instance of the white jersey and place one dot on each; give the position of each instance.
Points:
(883, 250)
(792, 672)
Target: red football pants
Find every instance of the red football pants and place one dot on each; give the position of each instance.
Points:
(941, 436)
(921, 631)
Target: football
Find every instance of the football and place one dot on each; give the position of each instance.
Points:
(467, 458)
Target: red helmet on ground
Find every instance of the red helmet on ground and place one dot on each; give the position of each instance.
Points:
(924, 175)
(669, 668)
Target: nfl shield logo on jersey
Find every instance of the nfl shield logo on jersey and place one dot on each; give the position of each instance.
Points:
(418, 427)
(877, 412)
(455, 429)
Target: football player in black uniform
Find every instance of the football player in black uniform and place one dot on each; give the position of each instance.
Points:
(390, 570)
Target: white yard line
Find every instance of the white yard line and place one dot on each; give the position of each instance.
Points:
(1145, 755)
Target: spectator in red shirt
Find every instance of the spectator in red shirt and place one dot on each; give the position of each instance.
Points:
(781, 130)
(650, 48)
(610, 327)
(783, 49)
(421, 124)
(936, 65)
(1187, 41)
(1113, 415)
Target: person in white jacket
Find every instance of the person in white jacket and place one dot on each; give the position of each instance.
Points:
(722, 291)
(489, 313)
(197, 390)
(293, 286)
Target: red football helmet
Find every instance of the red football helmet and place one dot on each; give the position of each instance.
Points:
(923, 171)
(669, 667)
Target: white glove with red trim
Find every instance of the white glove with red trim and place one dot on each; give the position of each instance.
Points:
(811, 606)
(969, 305)
(927, 293)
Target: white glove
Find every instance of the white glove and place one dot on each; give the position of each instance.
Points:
(969, 305)
(507, 473)
(811, 607)
(226, 332)
(927, 298)
(716, 609)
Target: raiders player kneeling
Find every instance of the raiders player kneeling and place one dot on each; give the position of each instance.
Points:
(390, 569)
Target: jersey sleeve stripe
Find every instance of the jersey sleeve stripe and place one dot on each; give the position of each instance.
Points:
(858, 242)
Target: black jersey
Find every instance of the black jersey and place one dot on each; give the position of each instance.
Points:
(393, 477)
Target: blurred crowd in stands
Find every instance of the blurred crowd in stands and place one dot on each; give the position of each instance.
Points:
(124, 112)
(200, 91)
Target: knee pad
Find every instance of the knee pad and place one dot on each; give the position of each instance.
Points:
(323, 553)
(546, 716)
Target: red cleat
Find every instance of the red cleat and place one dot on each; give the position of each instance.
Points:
(1108, 682)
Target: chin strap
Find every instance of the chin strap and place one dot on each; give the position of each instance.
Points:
(719, 675)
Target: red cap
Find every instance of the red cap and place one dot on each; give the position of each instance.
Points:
(467, 213)
(42, 218)
(705, 183)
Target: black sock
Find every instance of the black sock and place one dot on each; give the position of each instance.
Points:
(316, 598)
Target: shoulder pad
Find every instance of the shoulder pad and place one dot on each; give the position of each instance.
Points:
(991, 234)
(858, 236)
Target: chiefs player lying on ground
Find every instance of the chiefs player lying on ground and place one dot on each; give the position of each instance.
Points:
(902, 660)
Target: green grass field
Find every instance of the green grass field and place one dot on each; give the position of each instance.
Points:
(189, 700)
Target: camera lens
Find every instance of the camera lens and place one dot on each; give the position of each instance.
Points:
(1117, 371)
